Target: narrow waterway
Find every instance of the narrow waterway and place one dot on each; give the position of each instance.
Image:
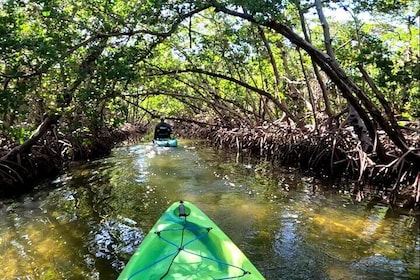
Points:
(88, 222)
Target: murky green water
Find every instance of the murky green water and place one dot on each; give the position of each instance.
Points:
(87, 223)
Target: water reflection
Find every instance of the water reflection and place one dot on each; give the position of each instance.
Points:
(113, 239)
(87, 223)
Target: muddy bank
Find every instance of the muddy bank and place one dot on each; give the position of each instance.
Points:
(334, 154)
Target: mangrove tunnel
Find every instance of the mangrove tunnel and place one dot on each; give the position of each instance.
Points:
(329, 87)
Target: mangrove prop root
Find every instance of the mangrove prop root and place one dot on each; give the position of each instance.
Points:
(47, 151)
(336, 153)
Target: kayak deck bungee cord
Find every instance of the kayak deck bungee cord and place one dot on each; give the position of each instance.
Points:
(186, 244)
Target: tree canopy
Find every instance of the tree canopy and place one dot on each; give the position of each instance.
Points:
(102, 63)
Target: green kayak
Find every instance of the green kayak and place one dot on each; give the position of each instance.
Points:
(186, 244)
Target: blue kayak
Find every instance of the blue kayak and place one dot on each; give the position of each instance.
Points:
(166, 142)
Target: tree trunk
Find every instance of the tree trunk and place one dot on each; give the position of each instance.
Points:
(310, 93)
(318, 75)
(325, 28)
(354, 117)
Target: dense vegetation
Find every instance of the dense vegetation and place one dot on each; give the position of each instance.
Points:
(308, 66)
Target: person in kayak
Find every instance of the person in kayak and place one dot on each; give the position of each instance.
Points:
(163, 130)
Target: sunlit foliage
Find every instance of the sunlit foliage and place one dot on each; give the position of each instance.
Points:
(96, 63)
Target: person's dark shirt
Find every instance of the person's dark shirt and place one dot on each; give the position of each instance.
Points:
(163, 130)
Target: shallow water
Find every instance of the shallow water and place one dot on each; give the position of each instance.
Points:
(88, 222)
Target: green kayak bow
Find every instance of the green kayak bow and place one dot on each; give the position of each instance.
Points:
(186, 244)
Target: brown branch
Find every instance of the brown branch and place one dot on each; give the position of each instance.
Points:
(241, 83)
(379, 96)
(215, 104)
(41, 130)
(154, 115)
